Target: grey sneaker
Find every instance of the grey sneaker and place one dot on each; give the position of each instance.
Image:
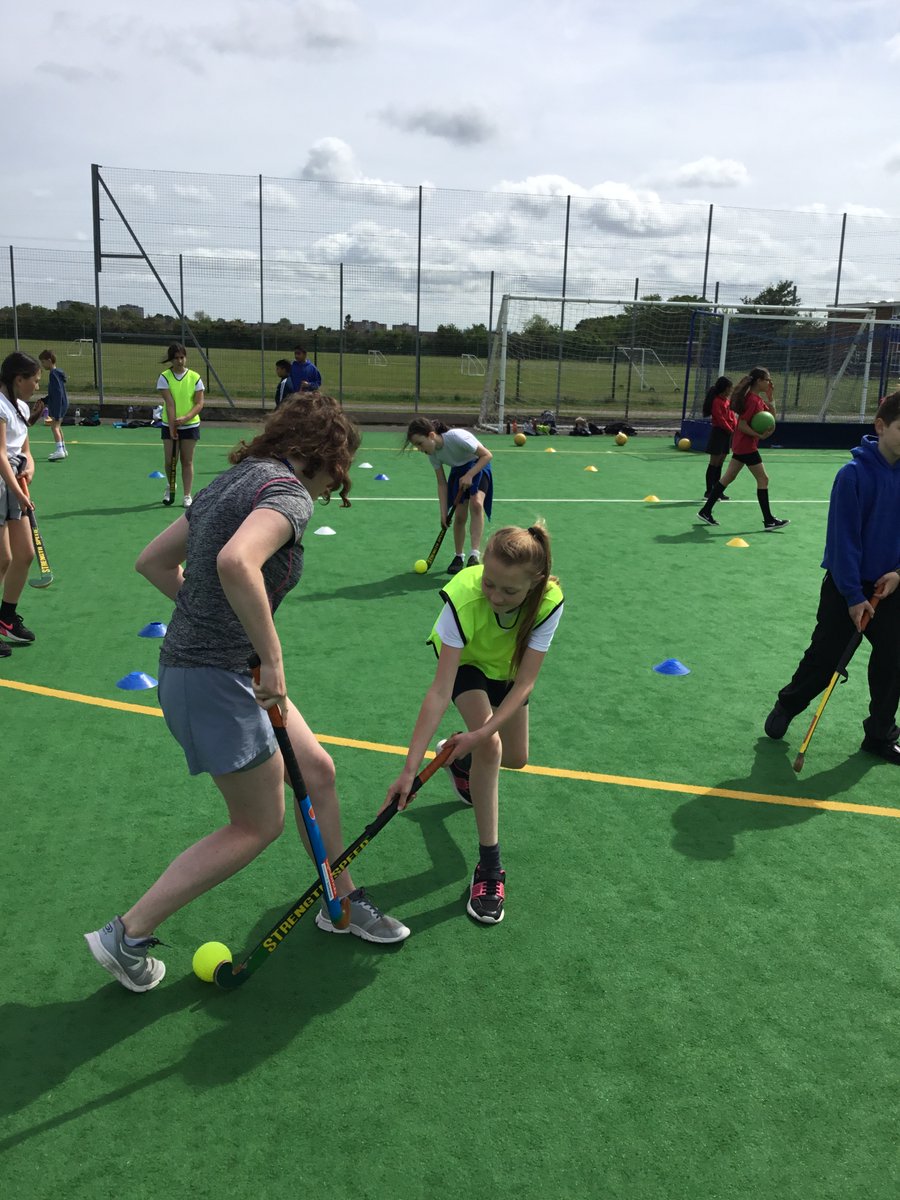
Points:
(131, 965)
(367, 921)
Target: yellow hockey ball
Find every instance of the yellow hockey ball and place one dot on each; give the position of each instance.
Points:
(420, 566)
(207, 958)
(621, 438)
(684, 443)
(520, 439)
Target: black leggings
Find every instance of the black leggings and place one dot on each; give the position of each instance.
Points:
(830, 637)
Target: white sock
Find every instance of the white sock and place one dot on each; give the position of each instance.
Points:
(60, 445)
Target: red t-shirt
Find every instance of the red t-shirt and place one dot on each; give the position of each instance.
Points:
(740, 442)
(723, 415)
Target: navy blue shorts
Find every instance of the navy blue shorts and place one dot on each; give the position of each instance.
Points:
(749, 460)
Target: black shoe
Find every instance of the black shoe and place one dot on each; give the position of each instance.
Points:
(14, 631)
(777, 722)
(456, 566)
(707, 517)
(724, 497)
(486, 895)
(474, 559)
(5, 651)
(889, 751)
(768, 526)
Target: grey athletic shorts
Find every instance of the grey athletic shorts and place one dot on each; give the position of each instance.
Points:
(214, 717)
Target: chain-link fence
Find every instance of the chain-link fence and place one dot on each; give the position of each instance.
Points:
(393, 290)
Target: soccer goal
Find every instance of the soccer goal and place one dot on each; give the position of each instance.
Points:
(652, 357)
(470, 364)
(80, 346)
(827, 363)
(374, 358)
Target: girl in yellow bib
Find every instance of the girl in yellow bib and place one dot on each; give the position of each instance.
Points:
(182, 394)
(491, 639)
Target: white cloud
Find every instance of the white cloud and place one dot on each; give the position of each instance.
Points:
(892, 160)
(711, 172)
(331, 160)
(893, 48)
(289, 29)
(616, 207)
(144, 191)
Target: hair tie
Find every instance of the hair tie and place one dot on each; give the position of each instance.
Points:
(533, 530)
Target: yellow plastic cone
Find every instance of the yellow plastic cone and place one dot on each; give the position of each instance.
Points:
(739, 542)
(652, 499)
(594, 469)
(549, 450)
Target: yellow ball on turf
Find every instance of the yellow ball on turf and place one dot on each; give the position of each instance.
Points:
(621, 439)
(684, 443)
(420, 566)
(207, 958)
(520, 439)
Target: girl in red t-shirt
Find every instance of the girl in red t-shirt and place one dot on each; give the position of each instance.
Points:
(752, 395)
(717, 408)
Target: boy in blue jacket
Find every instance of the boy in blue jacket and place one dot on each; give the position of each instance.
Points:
(57, 403)
(862, 556)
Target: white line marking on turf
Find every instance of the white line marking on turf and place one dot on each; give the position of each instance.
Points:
(585, 500)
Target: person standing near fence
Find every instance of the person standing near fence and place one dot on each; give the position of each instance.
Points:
(718, 410)
(305, 375)
(470, 488)
(57, 402)
(182, 394)
(752, 395)
(20, 377)
(283, 388)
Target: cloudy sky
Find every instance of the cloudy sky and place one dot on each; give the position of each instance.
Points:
(778, 105)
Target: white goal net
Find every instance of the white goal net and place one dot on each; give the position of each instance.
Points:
(649, 357)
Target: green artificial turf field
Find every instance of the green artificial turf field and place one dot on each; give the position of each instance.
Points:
(694, 992)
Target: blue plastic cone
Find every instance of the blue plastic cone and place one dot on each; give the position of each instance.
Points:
(156, 475)
(671, 666)
(136, 681)
(383, 478)
(154, 629)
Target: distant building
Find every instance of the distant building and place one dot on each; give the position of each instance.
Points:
(404, 328)
(131, 310)
(367, 326)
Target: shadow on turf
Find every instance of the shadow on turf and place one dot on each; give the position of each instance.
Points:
(42, 1046)
(376, 589)
(706, 827)
(106, 512)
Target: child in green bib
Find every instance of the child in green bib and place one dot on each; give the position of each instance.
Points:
(182, 395)
(491, 639)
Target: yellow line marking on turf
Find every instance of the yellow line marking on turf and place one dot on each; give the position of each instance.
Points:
(649, 785)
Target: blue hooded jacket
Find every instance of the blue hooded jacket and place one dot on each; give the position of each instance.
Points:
(862, 541)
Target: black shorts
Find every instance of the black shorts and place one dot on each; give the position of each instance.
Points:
(472, 679)
(719, 440)
(749, 460)
(191, 434)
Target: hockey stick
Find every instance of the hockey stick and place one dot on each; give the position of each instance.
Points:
(172, 475)
(46, 574)
(440, 537)
(840, 675)
(338, 910)
(229, 975)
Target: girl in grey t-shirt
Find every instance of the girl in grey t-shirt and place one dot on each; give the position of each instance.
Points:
(469, 489)
(241, 542)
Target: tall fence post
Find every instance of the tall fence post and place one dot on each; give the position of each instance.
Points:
(15, 307)
(562, 307)
(98, 339)
(840, 262)
(637, 284)
(262, 311)
(341, 335)
(708, 244)
(418, 307)
(490, 337)
(181, 297)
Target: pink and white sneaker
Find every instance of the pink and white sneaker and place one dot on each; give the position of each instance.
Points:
(486, 895)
